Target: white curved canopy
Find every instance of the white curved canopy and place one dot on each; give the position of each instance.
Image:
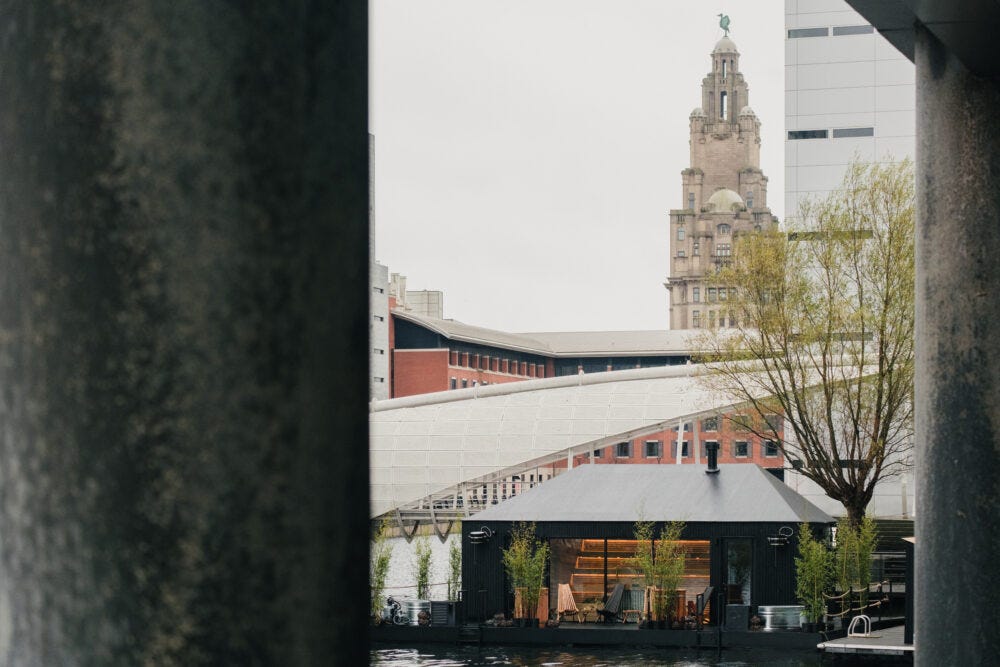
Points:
(423, 445)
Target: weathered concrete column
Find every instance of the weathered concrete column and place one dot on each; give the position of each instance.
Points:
(958, 360)
(183, 327)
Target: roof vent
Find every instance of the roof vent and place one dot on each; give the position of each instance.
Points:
(712, 449)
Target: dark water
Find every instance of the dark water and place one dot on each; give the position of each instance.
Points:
(454, 656)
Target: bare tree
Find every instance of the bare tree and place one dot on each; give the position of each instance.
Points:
(820, 331)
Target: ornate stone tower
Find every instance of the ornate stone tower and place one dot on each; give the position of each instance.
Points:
(724, 192)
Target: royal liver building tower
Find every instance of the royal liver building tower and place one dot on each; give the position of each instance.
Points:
(724, 192)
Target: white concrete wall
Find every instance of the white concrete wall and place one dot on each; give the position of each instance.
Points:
(893, 498)
(836, 82)
(401, 582)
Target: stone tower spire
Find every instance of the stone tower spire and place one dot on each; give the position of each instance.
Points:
(724, 193)
(725, 133)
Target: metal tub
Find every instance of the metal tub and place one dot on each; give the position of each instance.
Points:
(413, 607)
(780, 617)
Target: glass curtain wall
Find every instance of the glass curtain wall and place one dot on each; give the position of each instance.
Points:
(589, 569)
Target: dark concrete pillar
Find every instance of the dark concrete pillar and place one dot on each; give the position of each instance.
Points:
(958, 360)
(183, 333)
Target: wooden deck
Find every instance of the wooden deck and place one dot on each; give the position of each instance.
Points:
(886, 641)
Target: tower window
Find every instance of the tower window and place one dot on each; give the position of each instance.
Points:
(724, 229)
(680, 233)
(697, 249)
(723, 108)
(691, 200)
(723, 69)
(749, 198)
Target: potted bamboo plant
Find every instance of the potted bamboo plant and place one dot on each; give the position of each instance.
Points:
(812, 575)
(662, 566)
(852, 564)
(378, 569)
(525, 562)
(668, 569)
(642, 560)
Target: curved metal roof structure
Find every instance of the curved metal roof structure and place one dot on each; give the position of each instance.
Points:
(427, 447)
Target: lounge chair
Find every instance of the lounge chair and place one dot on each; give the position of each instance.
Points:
(613, 605)
(566, 604)
(702, 601)
(633, 605)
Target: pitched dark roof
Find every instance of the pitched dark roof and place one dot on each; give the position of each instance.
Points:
(738, 493)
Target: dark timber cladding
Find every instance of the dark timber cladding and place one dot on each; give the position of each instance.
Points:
(742, 504)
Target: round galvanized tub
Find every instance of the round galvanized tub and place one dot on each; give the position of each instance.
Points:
(780, 617)
(412, 609)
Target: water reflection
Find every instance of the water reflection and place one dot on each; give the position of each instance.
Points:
(461, 656)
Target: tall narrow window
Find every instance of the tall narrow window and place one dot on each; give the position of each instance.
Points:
(697, 249)
(722, 105)
(680, 233)
(723, 69)
(749, 198)
(696, 294)
(691, 200)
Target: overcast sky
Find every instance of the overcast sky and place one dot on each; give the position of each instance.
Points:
(527, 152)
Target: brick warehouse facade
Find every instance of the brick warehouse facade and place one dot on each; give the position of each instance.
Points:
(431, 355)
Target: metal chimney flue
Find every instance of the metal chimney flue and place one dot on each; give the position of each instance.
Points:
(712, 449)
